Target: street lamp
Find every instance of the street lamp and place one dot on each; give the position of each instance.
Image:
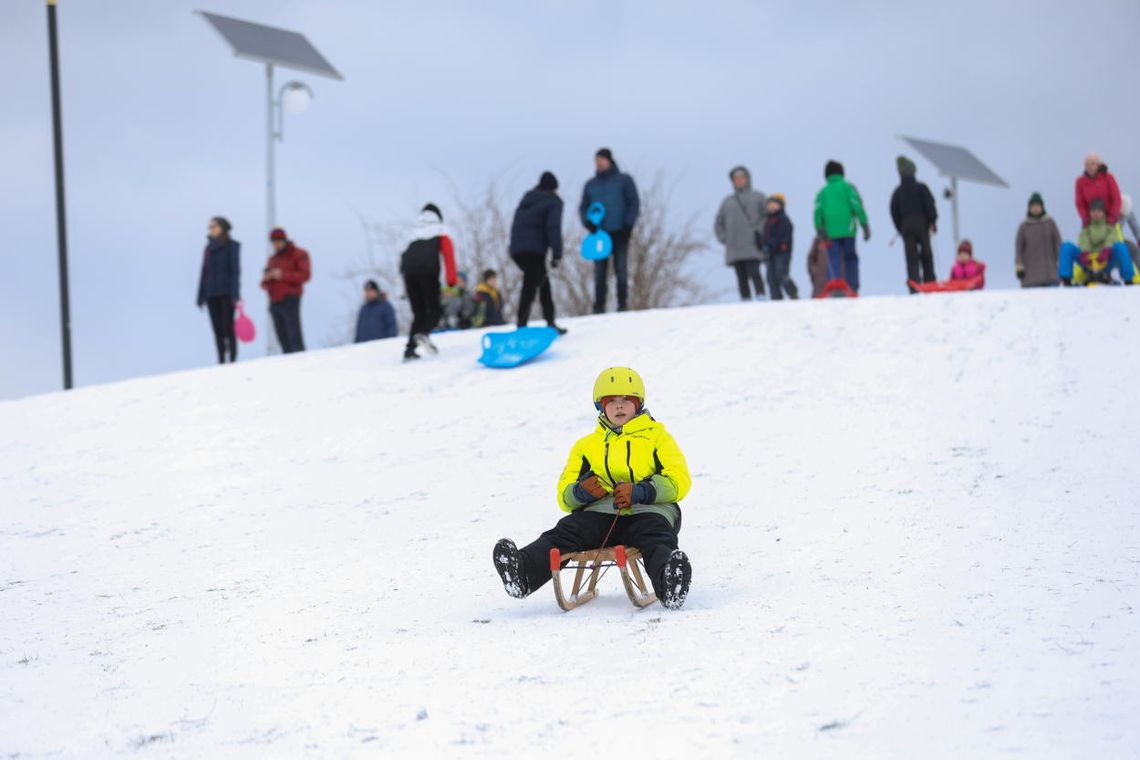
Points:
(280, 47)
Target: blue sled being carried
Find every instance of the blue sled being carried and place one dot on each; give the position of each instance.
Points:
(506, 350)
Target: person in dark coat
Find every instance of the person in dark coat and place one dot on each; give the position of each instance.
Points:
(488, 301)
(284, 280)
(536, 228)
(618, 194)
(377, 318)
(1037, 247)
(778, 244)
(915, 217)
(219, 285)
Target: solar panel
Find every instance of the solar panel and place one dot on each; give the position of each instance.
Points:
(268, 44)
(953, 161)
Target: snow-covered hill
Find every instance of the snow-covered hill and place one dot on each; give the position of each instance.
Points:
(913, 527)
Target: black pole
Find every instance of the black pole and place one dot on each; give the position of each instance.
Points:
(60, 215)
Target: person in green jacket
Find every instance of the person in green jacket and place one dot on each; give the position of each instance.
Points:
(838, 214)
(1098, 251)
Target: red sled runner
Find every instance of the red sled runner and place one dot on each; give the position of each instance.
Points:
(837, 289)
(949, 286)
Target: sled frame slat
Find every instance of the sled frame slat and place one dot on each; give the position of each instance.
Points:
(594, 561)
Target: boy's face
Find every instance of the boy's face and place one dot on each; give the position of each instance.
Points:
(619, 409)
(773, 207)
(493, 282)
(1097, 215)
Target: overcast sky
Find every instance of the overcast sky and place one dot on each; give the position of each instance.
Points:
(164, 128)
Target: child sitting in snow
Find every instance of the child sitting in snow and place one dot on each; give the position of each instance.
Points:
(1098, 251)
(967, 268)
(621, 485)
(488, 301)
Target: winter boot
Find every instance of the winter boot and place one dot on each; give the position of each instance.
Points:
(509, 565)
(560, 330)
(1067, 282)
(423, 341)
(410, 355)
(676, 577)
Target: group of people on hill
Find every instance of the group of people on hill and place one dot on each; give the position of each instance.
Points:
(754, 229)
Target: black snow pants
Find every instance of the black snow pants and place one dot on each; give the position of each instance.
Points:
(582, 530)
(535, 280)
(919, 257)
(222, 320)
(423, 296)
(745, 271)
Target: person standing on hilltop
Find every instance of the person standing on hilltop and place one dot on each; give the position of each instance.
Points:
(219, 285)
(915, 217)
(536, 229)
(739, 227)
(1038, 247)
(838, 214)
(1097, 182)
(284, 280)
(778, 231)
(617, 193)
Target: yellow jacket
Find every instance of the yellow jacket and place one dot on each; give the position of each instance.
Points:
(640, 452)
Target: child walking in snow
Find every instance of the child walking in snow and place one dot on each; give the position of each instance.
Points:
(967, 268)
(622, 484)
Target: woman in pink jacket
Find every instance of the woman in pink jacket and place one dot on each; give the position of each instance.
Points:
(967, 268)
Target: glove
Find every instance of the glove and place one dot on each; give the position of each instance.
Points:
(591, 227)
(628, 494)
(589, 489)
(555, 262)
(866, 232)
(1021, 273)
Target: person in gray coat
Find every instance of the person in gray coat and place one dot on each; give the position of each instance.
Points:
(1128, 223)
(1038, 246)
(739, 224)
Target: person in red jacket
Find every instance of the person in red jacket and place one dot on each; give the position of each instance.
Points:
(284, 280)
(1095, 183)
(419, 264)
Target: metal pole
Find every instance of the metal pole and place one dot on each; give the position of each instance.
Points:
(60, 211)
(954, 206)
(270, 188)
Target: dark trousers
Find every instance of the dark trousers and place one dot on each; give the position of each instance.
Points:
(919, 257)
(748, 271)
(535, 280)
(287, 322)
(780, 277)
(582, 530)
(423, 296)
(843, 261)
(221, 310)
(620, 258)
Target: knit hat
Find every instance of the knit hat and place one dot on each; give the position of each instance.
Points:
(278, 234)
(906, 166)
(548, 181)
(371, 285)
(605, 153)
(779, 198)
(1036, 198)
(434, 209)
(966, 247)
(488, 274)
(833, 167)
(1096, 204)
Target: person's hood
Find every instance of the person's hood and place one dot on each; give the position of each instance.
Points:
(485, 288)
(426, 227)
(908, 179)
(535, 197)
(608, 172)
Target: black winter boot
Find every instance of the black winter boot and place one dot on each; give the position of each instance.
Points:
(509, 565)
(676, 577)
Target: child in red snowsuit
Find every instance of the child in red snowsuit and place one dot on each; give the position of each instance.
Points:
(967, 268)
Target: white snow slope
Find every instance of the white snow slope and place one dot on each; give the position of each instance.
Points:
(913, 527)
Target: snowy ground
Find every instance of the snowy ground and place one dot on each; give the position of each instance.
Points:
(913, 526)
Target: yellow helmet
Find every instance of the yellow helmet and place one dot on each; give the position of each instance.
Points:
(619, 381)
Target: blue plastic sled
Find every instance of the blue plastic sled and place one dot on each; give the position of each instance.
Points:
(598, 245)
(506, 350)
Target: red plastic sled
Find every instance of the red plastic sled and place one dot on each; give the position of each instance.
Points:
(949, 286)
(837, 289)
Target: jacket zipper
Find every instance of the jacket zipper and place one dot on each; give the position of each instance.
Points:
(628, 466)
(609, 474)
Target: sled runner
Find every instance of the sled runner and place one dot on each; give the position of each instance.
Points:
(837, 289)
(510, 349)
(949, 286)
(627, 560)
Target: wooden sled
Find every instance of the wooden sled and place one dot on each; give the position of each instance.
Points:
(627, 560)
